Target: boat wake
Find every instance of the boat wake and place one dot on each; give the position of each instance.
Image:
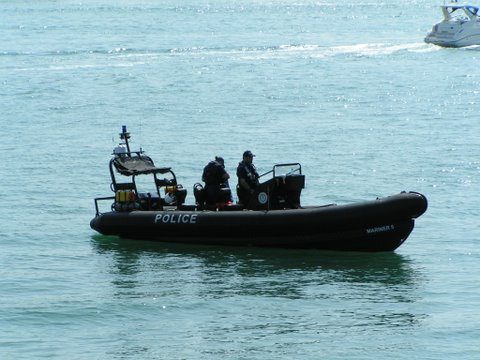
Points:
(128, 57)
(310, 51)
(368, 49)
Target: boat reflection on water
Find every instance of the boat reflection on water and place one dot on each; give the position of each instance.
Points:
(363, 289)
(315, 265)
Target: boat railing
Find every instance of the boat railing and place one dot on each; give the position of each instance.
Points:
(96, 200)
(274, 171)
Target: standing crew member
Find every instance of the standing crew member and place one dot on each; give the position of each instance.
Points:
(247, 179)
(215, 178)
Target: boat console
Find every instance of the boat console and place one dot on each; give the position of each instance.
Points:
(283, 190)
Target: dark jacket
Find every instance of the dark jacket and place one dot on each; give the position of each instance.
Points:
(213, 174)
(249, 173)
(214, 178)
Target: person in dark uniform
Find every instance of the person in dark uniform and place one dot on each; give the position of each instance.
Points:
(225, 184)
(247, 179)
(215, 178)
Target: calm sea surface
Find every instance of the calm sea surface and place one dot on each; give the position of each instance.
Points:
(347, 88)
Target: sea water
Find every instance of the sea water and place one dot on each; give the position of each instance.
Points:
(346, 88)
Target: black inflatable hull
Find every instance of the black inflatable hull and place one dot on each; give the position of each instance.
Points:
(379, 225)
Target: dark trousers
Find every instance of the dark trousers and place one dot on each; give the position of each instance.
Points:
(246, 198)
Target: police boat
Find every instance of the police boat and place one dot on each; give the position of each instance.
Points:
(274, 219)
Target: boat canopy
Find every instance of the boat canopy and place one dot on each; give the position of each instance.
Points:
(137, 165)
(449, 10)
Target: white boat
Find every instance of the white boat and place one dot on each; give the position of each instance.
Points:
(460, 26)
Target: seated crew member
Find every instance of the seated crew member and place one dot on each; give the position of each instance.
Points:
(215, 178)
(247, 179)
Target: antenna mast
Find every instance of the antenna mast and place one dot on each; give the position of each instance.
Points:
(124, 135)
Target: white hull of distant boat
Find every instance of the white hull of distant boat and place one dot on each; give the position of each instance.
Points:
(460, 27)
